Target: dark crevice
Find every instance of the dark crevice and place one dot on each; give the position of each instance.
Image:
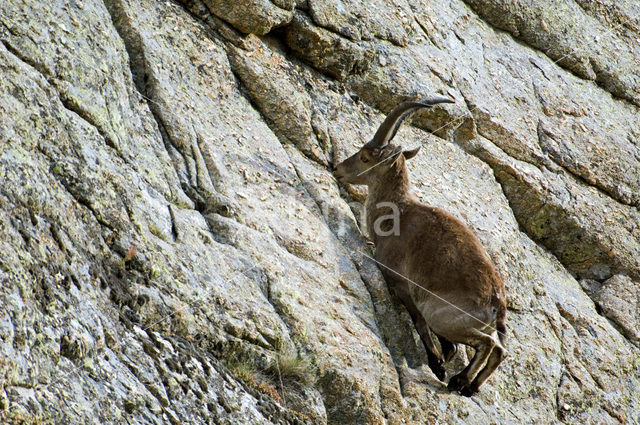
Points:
(374, 36)
(280, 7)
(567, 316)
(469, 150)
(135, 56)
(546, 162)
(520, 158)
(381, 398)
(151, 388)
(564, 61)
(426, 32)
(616, 326)
(204, 201)
(593, 294)
(69, 103)
(555, 331)
(85, 203)
(541, 69)
(611, 12)
(442, 78)
(25, 59)
(57, 237)
(174, 224)
(604, 191)
(137, 62)
(199, 12)
(378, 316)
(358, 66)
(81, 200)
(559, 413)
(459, 37)
(245, 93)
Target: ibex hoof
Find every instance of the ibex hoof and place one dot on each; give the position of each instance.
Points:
(469, 391)
(440, 372)
(437, 368)
(457, 383)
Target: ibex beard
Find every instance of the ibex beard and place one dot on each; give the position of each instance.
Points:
(432, 261)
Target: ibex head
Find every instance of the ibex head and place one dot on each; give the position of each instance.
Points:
(378, 155)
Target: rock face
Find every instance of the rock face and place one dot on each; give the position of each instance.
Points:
(173, 248)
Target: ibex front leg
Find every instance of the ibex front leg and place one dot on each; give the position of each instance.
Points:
(434, 357)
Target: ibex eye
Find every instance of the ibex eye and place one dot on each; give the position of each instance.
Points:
(364, 158)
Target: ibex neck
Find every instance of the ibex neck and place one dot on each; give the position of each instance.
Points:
(392, 188)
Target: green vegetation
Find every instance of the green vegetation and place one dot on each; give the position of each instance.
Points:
(286, 371)
(24, 418)
(155, 230)
(241, 365)
(293, 366)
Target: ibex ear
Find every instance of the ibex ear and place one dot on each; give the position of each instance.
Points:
(410, 154)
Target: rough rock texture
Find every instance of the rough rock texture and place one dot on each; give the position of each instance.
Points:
(619, 299)
(174, 249)
(596, 40)
(253, 16)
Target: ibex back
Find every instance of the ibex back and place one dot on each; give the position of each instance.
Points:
(433, 262)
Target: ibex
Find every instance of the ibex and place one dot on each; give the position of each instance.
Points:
(433, 262)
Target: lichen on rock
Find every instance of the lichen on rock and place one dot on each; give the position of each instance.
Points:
(174, 248)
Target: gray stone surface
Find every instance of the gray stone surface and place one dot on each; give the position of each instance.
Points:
(595, 40)
(253, 16)
(174, 249)
(330, 52)
(619, 299)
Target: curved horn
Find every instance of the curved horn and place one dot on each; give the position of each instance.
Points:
(392, 122)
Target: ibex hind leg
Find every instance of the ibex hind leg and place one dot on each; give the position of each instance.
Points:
(497, 356)
(484, 345)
